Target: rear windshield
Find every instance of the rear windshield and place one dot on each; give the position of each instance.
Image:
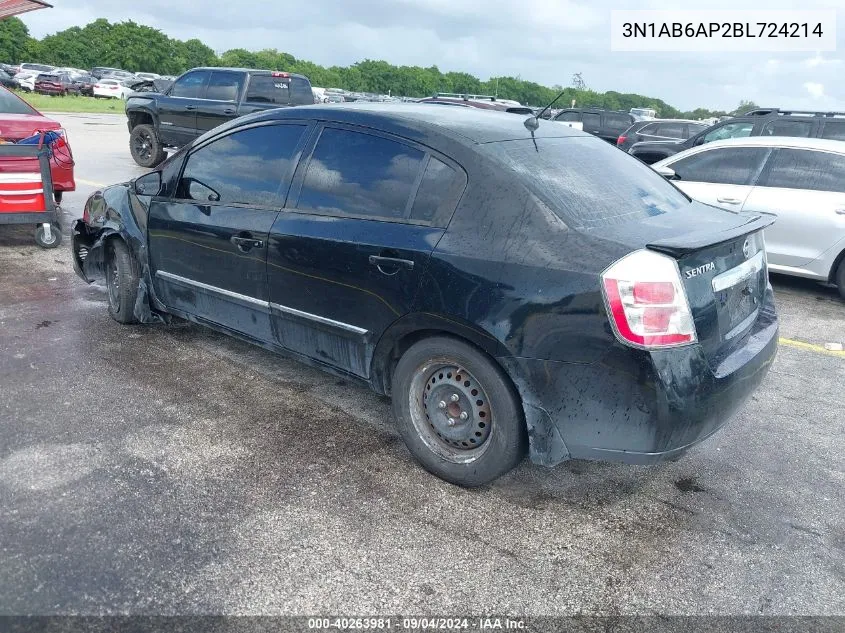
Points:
(10, 104)
(269, 89)
(588, 182)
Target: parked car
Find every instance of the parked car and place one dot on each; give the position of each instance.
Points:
(377, 241)
(36, 68)
(26, 80)
(85, 84)
(56, 84)
(660, 130)
(606, 124)
(101, 71)
(10, 69)
(111, 89)
(643, 114)
(120, 75)
(760, 122)
(148, 76)
(801, 181)
(7, 80)
(202, 99)
(19, 120)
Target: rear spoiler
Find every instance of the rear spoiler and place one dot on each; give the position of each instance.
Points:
(685, 244)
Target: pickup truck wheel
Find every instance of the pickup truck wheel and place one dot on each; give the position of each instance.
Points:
(145, 146)
(457, 412)
(122, 279)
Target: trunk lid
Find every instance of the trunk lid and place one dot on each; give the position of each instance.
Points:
(722, 265)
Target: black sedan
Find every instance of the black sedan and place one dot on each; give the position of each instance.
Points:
(514, 292)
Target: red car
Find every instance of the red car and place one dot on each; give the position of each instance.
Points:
(18, 120)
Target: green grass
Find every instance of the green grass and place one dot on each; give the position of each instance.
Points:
(46, 103)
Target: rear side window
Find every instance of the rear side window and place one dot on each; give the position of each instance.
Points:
(300, 91)
(616, 121)
(269, 89)
(727, 165)
(805, 169)
(787, 128)
(440, 188)
(190, 86)
(224, 86)
(671, 130)
(592, 121)
(588, 183)
(649, 129)
(834, 130)
(351, 173)
(252, 167)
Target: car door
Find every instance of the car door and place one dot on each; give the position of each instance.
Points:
(806, 190)
(208, 241)
(347, 255)
(572, 118)
(177, 109)
(221, 100)
(720, 176)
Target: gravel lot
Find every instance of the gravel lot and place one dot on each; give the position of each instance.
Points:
(171, 470)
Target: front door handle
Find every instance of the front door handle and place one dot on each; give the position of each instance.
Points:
(390, 265)
(246, 244)
(728, 200)
(229, 111)
(190, 107)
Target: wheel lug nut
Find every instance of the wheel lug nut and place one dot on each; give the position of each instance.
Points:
(441, 405)
(451, 421)
(455, 397)
(464, 415)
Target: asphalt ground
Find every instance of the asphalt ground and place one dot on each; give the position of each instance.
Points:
(173, 470)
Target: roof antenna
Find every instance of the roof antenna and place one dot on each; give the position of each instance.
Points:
(532, 123)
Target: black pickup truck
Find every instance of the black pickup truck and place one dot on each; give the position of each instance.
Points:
(202, 99)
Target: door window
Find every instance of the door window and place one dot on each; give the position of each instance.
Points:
(190, 86)
(571, 117)
(592, 121)
(729, 130)
(617, 121)
(224, 86)
(805, 169)
(351, 173)
(251, 167)
(787, 128)
(834, 130)
(728, 165)
(440, 188)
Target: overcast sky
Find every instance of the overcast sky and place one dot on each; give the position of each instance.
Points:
(546, 43)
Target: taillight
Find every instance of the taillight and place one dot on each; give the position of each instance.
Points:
(646, 301)
(622, 138)
(278, 74)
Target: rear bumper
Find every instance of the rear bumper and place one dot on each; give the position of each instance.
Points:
(639, 407)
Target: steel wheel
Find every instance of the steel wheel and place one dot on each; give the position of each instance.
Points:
(451, 412)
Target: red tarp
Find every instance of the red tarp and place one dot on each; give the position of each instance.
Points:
(9, 8)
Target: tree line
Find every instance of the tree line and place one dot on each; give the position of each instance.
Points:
(141, 48)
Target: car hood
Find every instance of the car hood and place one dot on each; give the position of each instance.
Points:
(14, 127)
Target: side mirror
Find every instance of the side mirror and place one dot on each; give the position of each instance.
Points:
(148, 184)
(699, 141)
(667, 172)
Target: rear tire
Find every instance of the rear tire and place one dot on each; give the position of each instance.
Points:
(122, 280)
(458, 412)
(840, 278)
(145, 146)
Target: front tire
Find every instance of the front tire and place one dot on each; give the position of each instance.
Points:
(122, 280)
(145, 146)
(458, 412)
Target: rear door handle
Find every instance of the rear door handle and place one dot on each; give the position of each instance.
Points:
(190, 107)
(390, 263)
(229, 111)
(246, 244)
(728, 200)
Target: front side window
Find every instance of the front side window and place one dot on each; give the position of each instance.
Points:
(726, 165)
(729, 130)
(251, 167)
(190, 86)
(569, 117)
(805, 169)
(352, 173)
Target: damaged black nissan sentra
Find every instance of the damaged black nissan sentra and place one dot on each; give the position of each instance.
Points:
(513, 292)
